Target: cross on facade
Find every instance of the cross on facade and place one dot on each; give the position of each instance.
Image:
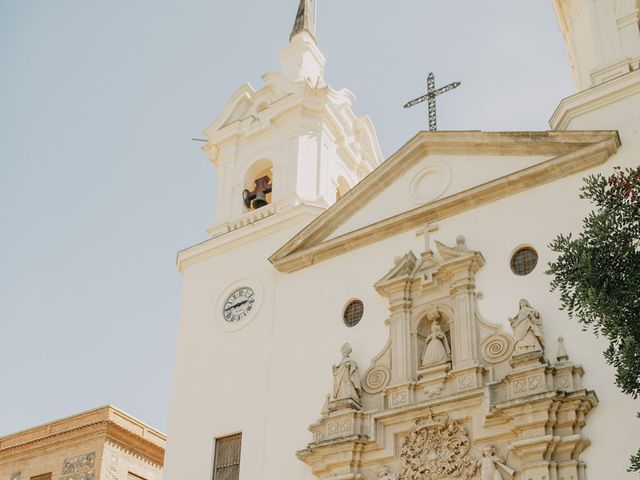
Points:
(430, 98)
(427, 230)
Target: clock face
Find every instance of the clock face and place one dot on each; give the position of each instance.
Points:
(238, 305)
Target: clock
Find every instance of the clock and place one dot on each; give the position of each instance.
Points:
(238, 305)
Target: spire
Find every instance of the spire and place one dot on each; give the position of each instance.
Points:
(302, 60)
(305, 19)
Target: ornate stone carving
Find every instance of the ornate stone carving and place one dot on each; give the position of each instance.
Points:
(112, 473)
(437, 349)
(496, 348)
(399, 398)
(504, 387)
(459, 250)
(375, 379)
(437, 448)
(385, 473)
(493, 467)
(346, 381)
(80, 476)
(75, 464)
(527, 329)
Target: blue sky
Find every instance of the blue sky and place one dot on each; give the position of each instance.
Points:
(101, 184)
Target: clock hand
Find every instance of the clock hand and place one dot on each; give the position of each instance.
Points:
(236, 305)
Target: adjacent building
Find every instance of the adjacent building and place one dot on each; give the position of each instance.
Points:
(101, 444)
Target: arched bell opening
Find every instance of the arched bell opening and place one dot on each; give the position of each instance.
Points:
(434, 339)
(258, 182)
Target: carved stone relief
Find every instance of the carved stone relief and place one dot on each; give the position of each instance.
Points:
(437, 448)
(80, 476)
(385, 473)
(492, 467)
(76, 464)
(442, 356)
(496, 348)
(375, 379)
(112, 473)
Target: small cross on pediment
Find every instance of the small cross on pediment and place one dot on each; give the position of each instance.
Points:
(427, 230)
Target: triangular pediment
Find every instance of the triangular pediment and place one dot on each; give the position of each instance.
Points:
(236, 108)
(440, 174)
(247, 101)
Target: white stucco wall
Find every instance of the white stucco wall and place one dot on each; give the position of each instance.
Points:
(269, 379)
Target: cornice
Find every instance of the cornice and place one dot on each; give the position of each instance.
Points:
(578, 153)
(82, 428)
(55, 440)
(134, 444)
(301, 214)
(595, 98)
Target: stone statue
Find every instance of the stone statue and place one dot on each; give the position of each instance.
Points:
(492, 467)
(385, 473)
(346, 380)
(437, 350)
(527, 329)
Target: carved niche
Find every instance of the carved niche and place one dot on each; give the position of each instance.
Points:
(443, 412)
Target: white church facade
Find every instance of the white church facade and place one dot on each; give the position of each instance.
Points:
(354, 317)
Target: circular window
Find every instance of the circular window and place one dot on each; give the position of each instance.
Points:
(353, 313)
(524, 260)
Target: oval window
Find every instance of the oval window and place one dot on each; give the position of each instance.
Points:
(524, 260)
(353, 313)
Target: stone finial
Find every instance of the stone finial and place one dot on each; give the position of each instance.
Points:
(325, 408)
(562, 354)
(461, 243)
(305, 19)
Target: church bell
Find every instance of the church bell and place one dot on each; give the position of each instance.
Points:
(258, 197)
(260, 201)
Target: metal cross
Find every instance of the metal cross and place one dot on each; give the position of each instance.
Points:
(430, 98)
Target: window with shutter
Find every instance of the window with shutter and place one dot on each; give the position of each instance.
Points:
(44, 476)
(133, 476)
(226, 464)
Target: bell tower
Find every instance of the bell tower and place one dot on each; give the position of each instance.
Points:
(294, 142)
(602, 36)
(603, 41)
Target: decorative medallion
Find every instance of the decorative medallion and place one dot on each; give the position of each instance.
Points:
(429, 183)
(436, 449)
(375, 379)
(496, 348)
